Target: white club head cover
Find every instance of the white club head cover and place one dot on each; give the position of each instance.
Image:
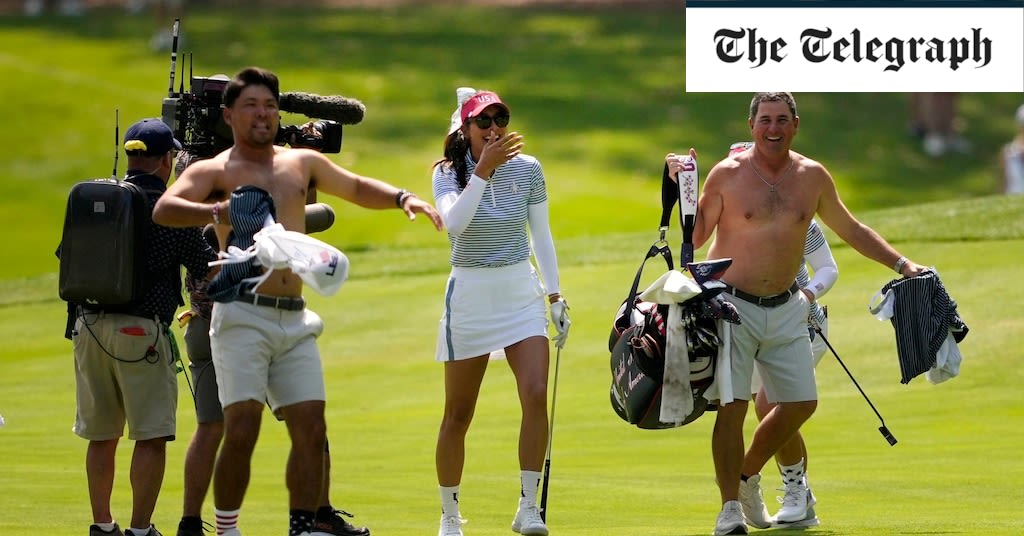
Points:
(672, 287)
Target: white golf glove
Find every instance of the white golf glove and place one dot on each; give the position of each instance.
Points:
(560, 317)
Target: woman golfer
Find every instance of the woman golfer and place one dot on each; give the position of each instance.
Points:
(493, 201)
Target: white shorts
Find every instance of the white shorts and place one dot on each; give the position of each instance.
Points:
(266, 354)
(775, 339)
(486, 309)
(818, 349)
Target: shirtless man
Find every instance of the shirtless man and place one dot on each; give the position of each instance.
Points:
(761, 202)
(264, 345)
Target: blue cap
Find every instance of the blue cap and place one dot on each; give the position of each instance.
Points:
(150, 137)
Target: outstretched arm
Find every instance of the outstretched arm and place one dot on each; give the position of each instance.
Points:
(860, 237)
(368, 192)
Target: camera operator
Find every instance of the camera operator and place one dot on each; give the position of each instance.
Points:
(125, 357)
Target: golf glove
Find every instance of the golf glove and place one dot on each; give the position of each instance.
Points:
(560, 317)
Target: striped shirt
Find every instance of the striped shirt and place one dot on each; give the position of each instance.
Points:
(497, 234)
(923, 316)
(815, 240)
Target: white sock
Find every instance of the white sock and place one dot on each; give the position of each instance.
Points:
(106, 527)
(449, 500)
(226, 520)
(530, 480)
(139, 532)
(793, 474)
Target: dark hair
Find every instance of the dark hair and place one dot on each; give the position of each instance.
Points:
(772, 97)
(455, 147)
(251, 76)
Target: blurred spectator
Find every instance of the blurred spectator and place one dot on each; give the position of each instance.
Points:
(164, 11)
(933, 118)
(1012, 159)
(35, 8)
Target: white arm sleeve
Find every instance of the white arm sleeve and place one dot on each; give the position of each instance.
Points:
(457, 210)
(825, 269)
(543, 246)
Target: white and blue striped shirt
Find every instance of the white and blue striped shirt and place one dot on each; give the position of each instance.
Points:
(496, 235)
(815, 241)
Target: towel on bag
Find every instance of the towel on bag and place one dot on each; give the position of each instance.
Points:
(673, 288)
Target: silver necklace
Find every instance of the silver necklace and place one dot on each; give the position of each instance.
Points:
(771, 187)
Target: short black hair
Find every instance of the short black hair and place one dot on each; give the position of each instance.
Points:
(251, 76)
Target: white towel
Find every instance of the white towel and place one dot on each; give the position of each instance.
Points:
(947, 361)
(721, 388)
(673, 288)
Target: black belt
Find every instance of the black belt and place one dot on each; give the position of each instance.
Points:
(764, 301)
(286, 303)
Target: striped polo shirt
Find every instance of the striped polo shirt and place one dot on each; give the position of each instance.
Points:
(497, 234)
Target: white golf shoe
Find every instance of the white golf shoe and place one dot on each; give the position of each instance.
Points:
(451, 526)
(810, 519)
(730, 520)
(752, 500)
(795, 500)
(528, 521)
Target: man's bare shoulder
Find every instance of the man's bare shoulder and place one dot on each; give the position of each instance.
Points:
(807, 165)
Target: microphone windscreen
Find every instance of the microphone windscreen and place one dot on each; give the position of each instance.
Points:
(333, 107)
(319, 217)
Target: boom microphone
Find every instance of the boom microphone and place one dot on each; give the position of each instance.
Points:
(332, 107)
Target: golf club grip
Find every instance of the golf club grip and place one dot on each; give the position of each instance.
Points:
(689, 222)
(544, 490)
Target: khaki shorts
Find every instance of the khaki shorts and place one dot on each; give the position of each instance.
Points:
(775, 338)
(266, 354)
(118, 379)
(818, 349)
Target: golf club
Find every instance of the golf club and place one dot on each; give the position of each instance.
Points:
(551, 431)
(884, 431)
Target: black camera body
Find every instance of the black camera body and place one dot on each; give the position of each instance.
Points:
(197, 121)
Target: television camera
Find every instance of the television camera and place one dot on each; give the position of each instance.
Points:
(196, 119)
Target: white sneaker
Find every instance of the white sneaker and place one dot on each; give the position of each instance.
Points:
(730, 520)
(232, 532)
(752, 500)
(810, 519)
(451, 526)
(528, 521)
(794, 503)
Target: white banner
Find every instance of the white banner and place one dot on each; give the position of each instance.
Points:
(730, 47)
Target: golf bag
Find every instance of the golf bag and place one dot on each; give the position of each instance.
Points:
(638, 337)
(103, 243)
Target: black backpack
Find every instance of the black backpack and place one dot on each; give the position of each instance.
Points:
(103, 245)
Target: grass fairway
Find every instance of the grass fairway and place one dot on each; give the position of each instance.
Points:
(598, 93)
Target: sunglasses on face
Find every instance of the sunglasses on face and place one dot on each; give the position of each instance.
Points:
(484, 121)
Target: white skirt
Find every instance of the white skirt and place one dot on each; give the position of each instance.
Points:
(487, 309)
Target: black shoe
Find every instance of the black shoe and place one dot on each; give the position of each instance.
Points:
(193, 526)
(333, 523)
(94, 530)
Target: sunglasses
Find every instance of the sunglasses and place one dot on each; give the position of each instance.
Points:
(484, 121)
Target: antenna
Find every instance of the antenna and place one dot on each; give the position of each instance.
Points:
(117, 136)
(174, 56)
